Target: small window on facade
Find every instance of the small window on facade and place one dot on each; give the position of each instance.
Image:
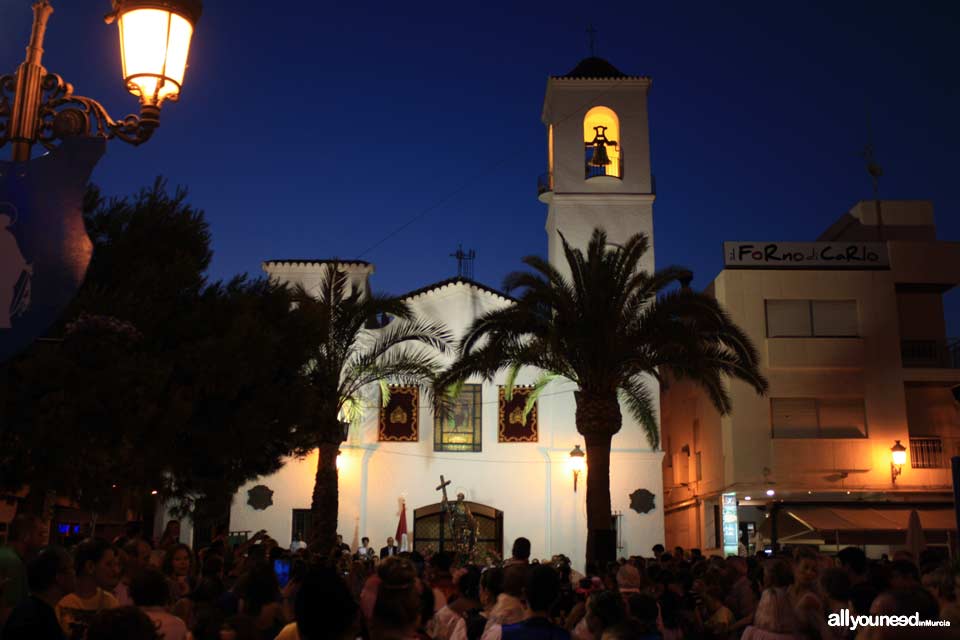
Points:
(788, 319)
(794, 417)
(835, 318)
(812, 318)
(461, 428)
(818, 418)
(842, 418)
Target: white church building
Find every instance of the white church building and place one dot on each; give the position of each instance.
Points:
(517, 476)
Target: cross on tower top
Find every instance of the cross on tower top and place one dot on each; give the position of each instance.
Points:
(592, 39)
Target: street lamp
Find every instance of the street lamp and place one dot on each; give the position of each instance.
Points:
(41, 200)
(898, 458)
(154, 41)
(578, 462)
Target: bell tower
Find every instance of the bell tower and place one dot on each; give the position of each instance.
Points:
(598, 158)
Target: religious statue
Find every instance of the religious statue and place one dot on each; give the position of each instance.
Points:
(15, 274)
(462, 524)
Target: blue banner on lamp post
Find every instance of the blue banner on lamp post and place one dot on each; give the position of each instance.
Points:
(44, 247)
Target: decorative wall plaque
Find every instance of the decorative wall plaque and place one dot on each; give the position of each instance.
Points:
(512, 427)
(399, 420)
(260, 497)
(642, 501)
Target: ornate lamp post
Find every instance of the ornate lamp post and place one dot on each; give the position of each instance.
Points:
(154, 42)
(45, 246)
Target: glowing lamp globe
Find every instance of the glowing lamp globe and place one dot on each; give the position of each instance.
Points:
(578, 463)
(899, 454)
(154, 43)
(578, 460)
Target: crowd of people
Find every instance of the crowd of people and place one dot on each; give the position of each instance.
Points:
(133, 588)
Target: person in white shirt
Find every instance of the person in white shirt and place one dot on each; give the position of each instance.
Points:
(365, 551)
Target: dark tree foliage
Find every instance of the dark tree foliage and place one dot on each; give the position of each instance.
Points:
(155, 378)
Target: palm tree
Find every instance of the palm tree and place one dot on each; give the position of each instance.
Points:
(360, 339)
(610, 328)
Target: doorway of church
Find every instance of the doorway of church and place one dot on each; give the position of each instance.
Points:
(430, 520)
(302, 525)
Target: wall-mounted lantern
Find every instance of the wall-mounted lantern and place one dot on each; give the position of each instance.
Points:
(898, 458)
(578, 463)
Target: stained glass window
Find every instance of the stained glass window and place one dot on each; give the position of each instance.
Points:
(460, 429)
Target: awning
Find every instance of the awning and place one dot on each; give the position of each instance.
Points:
(831, 522)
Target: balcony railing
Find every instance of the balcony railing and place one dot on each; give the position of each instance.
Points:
(544, 183)
(933, 354)
(932, 452)
(614, 169)
(927, 453)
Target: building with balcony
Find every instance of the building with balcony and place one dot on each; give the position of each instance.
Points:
(853, 341)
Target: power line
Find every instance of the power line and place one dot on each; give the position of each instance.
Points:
(471, 181)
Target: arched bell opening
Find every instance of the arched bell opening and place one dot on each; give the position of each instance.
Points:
(603, 155)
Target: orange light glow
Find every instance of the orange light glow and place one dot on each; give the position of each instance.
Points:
(604, 117)
(899, 454)
(578, 464)
(154, 45)
(550, 153)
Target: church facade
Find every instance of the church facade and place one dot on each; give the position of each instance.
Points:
(516, 472)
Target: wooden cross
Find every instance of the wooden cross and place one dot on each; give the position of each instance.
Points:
(443, 487)
(443, 511)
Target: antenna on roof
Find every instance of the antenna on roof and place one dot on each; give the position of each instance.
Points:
(464, 262)
(592, 40)
(875, 171)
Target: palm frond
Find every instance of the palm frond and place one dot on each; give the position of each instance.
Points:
(512, 372)
(642, 406)
(384, 392)
(539, 385)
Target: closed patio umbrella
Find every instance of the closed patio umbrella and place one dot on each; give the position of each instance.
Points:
(916, 542)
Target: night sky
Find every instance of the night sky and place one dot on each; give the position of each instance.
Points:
(318, 129)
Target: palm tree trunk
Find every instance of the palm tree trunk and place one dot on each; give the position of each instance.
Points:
(598, 419)
(326, 500)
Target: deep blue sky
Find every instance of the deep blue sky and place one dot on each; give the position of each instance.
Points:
(314, 129)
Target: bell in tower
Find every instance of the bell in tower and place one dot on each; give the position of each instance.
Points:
(600, 142)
